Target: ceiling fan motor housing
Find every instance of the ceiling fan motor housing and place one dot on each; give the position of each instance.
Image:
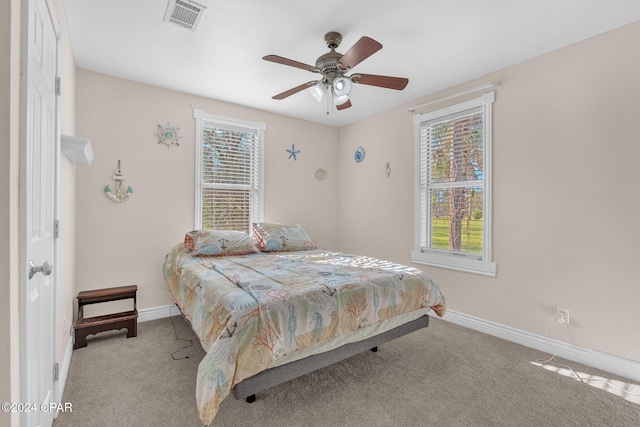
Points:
(327, 64)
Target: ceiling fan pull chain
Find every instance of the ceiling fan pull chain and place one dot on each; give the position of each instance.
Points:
(328, 101)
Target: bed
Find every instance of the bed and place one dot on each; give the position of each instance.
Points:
(269, 308)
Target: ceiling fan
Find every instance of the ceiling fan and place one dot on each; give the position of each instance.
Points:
(333, 66)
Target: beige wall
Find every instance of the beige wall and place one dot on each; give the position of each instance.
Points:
(5, 171)
(565, 191)
(121, 244)
(9, 219)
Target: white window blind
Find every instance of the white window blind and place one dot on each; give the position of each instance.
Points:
(452, 183)
(453, 218)
(229, 173)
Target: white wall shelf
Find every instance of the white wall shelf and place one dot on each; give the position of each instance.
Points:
(78, 150)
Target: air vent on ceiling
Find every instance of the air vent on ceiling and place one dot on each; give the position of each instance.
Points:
(185, 13)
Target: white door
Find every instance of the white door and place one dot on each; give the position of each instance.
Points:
(37, 194)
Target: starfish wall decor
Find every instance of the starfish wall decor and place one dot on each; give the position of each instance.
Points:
(293, 152)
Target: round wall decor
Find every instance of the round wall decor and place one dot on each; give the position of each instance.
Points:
(321, 174)
(359, 155)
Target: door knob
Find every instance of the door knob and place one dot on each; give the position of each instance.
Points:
(45, 268)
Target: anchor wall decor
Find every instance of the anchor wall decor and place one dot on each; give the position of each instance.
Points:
(119, 196)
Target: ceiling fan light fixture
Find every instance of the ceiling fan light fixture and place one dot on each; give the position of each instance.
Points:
(341, 87)
(318, 90)
(341, 99)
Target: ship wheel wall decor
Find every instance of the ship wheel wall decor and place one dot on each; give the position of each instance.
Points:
(169, 135)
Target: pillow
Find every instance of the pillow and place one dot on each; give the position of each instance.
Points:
(219, 242)
(281, 238)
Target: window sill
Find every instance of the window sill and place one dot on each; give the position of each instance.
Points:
(466, 265)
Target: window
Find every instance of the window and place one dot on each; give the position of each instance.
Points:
(228, 172)
(453, 187)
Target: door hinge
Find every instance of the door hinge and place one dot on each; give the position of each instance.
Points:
(55, 372)
(56, 229)
(58, 86)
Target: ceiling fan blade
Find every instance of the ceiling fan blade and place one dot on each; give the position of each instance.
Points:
(294, 90)
(284, 61)
(364, 48)
(343, 106)
(397, 83)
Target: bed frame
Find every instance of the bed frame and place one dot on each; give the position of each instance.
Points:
(271, 377)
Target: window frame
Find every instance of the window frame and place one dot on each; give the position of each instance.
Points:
(469, 264)
(258, 127)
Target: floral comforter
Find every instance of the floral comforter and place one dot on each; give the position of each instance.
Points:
(250, 311)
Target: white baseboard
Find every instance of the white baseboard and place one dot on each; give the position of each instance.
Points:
(63, 371)
(606, 362)
(146, 314)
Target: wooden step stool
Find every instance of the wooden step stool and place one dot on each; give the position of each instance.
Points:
(93, 325)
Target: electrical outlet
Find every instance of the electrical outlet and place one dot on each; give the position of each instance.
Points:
(562, 315)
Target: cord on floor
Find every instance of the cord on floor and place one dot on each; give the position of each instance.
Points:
(555, 353)
(190, 341)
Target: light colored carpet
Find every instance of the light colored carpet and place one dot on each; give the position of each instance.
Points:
(444, 375)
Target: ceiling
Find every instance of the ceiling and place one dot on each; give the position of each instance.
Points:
(434, 43)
